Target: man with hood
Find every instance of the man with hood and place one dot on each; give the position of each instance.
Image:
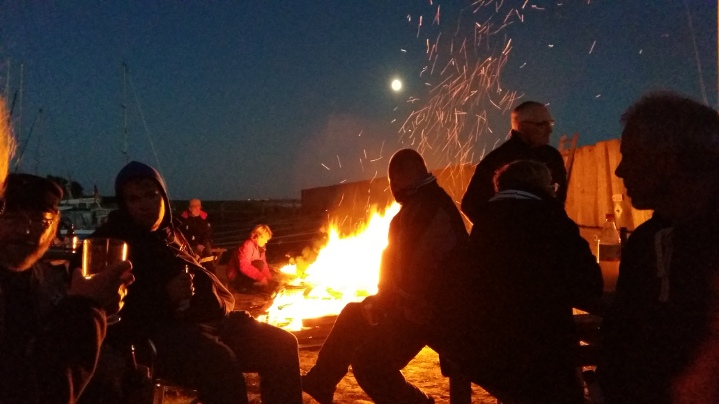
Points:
(186, 311)
(531, 126)
(383, 333)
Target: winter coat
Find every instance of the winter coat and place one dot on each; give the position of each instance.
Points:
(249, 260)
(423, 236)
(196, 229)
(49, 342)
(664, 314)
(481, 186)
(158, 257)
(529, 268)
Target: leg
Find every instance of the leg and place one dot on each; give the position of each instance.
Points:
(378, 362)
(269, 351)
(197, 359)
(460, 387)
(333, 360)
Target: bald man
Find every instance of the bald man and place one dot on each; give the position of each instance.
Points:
(379, 336)
(529, 140)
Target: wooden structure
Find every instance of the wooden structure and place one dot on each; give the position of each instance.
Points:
(593, 191)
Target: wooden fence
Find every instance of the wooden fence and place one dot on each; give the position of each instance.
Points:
(593, 191)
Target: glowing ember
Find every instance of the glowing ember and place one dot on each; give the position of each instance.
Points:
(346, 270)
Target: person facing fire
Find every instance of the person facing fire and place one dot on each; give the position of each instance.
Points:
(186, 311)
(380, 336)
(529, 139)
(661, 334)
(529, 267)
(247, 268)
(50, 335)
(198, 232)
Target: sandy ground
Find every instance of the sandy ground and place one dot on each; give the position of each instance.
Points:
(423, 371)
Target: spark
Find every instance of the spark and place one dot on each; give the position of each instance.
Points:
(339, 163)
(360, 134)
(523, 64)
(343, 181)
(551, 45)
(403, 50)
(597, 96)
(327, 168)
(640, 51)
(592, 48)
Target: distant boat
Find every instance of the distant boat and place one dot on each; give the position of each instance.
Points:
(85, 214)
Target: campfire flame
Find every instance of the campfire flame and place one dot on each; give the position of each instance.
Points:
(346, 270)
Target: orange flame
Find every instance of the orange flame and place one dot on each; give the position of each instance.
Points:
(346, 270)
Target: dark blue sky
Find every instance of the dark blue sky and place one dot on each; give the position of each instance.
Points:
(260, 99)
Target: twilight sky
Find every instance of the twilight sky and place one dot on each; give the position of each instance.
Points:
(263, 98)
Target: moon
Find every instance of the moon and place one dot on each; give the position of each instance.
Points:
(396, 85)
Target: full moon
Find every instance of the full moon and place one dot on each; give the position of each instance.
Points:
(396, 85)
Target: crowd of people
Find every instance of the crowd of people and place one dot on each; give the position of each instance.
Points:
(495, 303)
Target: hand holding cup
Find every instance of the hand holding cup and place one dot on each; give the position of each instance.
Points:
(101, 255)
(108, 288)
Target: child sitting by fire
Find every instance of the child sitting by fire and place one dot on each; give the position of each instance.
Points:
(247, 270)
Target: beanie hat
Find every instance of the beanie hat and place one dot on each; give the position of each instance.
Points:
(30, 192)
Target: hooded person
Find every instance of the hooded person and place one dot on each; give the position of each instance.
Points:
(185, 310)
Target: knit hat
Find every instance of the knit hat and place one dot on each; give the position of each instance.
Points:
(30, 192)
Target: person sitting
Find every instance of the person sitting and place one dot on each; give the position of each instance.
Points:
(381, 335)
(660, 337)
(529, 268)
(247, 269)
(186, 311)
(198, 232)
(50, 335)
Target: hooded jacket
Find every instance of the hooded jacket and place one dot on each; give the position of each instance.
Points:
(529, 268)
(158, 257)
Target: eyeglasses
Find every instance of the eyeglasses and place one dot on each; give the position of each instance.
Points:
(549, 123)
(27, 221)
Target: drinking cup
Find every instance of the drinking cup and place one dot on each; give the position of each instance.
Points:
(100, 253)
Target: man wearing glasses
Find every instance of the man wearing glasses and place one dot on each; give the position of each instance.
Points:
(50, 335)
(529, 140)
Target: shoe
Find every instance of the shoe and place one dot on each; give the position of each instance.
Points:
(322, 394)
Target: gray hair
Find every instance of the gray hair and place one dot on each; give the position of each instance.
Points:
(522, 174)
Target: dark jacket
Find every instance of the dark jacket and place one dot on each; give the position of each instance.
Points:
(657, 324)
(49, 344)
(423, 235)
(530, 267)
(157, 257)
(481, 186)
(196, 229)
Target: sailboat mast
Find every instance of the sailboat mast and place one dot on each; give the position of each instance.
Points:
(124, 112)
